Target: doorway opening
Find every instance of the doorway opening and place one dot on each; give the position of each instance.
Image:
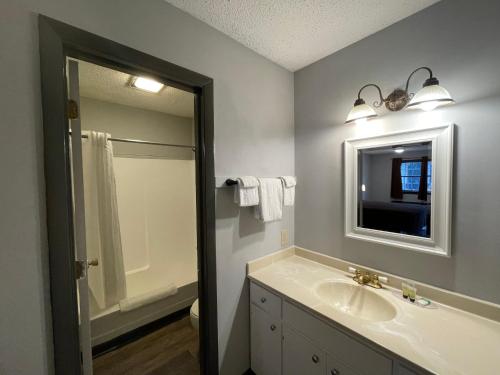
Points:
(129, 175)
(138, 171)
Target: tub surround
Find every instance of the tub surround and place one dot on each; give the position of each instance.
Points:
(460, 335)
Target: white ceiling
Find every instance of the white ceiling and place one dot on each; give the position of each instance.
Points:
(110, 85)
(296, 33)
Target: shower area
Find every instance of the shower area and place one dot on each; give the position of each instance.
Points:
(140, 201)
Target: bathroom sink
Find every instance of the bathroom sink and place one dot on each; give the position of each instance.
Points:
(356, 300)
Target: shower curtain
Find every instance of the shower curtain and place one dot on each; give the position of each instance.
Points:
(106, 281)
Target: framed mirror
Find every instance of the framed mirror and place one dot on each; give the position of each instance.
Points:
(398, 189)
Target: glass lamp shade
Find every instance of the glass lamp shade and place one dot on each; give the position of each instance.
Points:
(361, 112)
(430, 97)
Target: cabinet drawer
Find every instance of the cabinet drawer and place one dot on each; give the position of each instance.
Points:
(266, 300)
(361, 358)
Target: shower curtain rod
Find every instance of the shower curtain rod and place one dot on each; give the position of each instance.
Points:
(139, 141)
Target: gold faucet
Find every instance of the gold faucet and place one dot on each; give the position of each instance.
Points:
(366, 278)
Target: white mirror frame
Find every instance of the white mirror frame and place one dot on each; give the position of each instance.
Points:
(441, 198)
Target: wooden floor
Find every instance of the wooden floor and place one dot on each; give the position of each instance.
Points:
(171, 350)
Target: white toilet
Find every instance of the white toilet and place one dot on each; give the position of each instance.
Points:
(195, 315)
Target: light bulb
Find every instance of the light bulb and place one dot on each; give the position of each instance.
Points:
(428, 106)
(146, 84)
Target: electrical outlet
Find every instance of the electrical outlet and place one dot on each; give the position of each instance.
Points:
(284, 238)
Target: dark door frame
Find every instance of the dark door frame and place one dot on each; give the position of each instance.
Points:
(57, 42)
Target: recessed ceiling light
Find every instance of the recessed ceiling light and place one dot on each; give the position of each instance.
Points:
(147, 84)
(399, 150)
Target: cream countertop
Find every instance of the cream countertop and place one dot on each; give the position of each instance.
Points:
(443, 340)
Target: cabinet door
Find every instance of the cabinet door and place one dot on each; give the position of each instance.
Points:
(335, 367)
(265, 342)
(300, 356)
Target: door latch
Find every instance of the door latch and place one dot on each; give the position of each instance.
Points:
(82, 266)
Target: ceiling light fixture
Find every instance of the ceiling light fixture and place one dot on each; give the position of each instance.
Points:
(399, 150)
(147, 84)
(430, 96)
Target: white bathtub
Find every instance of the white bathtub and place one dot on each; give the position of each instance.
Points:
(112, 322)
(157, 212)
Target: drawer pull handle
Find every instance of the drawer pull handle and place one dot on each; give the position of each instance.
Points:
(273, 327)
(263, 299)
(335, 372)
(315, 358)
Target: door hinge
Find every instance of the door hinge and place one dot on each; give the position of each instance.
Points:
(72, 109)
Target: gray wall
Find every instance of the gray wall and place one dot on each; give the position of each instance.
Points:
(459, 40)
(253, 135)
(123, 121)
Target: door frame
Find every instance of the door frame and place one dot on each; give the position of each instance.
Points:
(57, 41)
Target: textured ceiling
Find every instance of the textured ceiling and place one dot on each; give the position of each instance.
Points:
(109, 85)
(296, 33)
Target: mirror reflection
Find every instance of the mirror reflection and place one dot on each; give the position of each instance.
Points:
(395, 187)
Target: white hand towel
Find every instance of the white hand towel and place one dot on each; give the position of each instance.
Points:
(246, 192)
(270, 207)
(289, 183)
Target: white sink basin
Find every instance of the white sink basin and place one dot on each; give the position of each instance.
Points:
(356, 300)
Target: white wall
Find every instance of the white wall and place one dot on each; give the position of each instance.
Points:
(128, 122)
(459, 40)
(253, 135)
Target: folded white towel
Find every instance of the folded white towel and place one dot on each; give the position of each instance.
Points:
(289, 183)
(246, 192)
(131, 303)
(248, 181)
(270, 207)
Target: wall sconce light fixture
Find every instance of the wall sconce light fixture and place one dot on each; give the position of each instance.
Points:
(430, 96)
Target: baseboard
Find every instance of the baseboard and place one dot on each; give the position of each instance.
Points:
(137, 333)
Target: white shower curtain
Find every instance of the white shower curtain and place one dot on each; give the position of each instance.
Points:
(106, 281)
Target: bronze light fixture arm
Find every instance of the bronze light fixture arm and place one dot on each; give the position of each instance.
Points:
(429, 81)
(376, 104)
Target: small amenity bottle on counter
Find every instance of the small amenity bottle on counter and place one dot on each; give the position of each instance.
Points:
(412, 292)
(404, 289)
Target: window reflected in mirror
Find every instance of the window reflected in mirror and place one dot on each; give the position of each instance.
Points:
(395, 187)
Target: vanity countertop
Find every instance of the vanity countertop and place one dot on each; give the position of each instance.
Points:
(442, 340)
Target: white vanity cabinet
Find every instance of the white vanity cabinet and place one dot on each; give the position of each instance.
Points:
(288, 340)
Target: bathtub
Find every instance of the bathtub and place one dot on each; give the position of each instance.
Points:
(113, 322)
(157, 213)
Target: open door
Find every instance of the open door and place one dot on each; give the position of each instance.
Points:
(82, 263)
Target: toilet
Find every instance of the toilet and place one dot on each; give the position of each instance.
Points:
(195, 315)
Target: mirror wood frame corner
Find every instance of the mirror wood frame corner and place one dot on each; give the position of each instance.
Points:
(441, 139)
